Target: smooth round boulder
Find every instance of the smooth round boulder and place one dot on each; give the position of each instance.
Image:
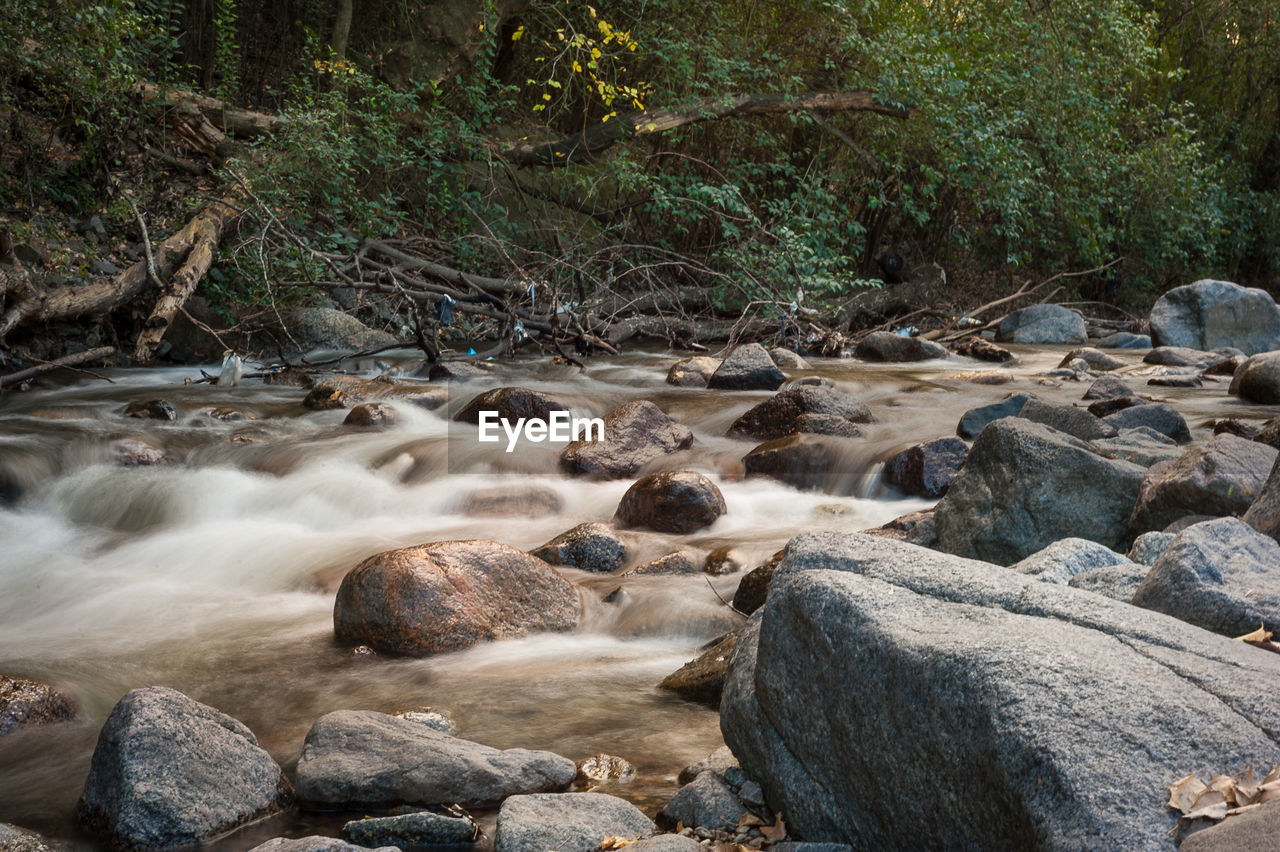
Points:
(449, 595)
(672, 502)
(748, 367)
(372, 415)
(692, 372)
(1207, 314)
(894, 348)
(1042, 324)
(635, 434)
(1258, 379)
(800, 409)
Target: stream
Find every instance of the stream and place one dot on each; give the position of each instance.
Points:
(215, 574)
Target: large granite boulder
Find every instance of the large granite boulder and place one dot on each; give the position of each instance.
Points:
(27, 702)
(1042, 324)
(748, 367)
(1222, 476)
(1264, 513)
(1210, 314)
(169, 771)
(1009, 713)
(450, 595)
(781, 414)
(680, 501)
(1066, 558)
(1026, 485)
(1222, 575)
(894, 348)
(634, 435)
(567, 822)
(928, 469)
(1258, 379)
(359, 759)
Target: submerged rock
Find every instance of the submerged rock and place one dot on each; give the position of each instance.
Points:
(372, 415)
(356, 759)
(565, 822)
(634, 435)
(449, 595)
(671, 501)
(348, 391)
(169, 771)
(151, 409)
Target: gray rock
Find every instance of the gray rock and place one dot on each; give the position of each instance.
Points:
(456, 371)
(168, 771)
(1258, 379)
(1105, 407)
(1148, 547)
(676, 562)
(718, 762)
(329, 329)
(692, 372)
(1095, 358)
(588, 547)
(788, 360)
(1026, 485)
(1042, 324)
(1177, 380)
(1010, 713)
(1067, 418)
(779, 415)
(1251, 831)
(666, 843)
(680, 501)
(1264, 513)
(1125, 340)
(975, 419)
(1222, 476)
(635, 434)
(702, 678)
(355, 759)
(314, 843)
(928, 469)
(1065, 558)
(1142, 446)
(418, 829)
(1153, 415)
(1108, 387)
(568, 822)
(705, 802)
(832, 425)
(1222, 575)
(1117, 582)
(1181, 356)
(15, 839)
(449, 595)
(27, 702)
(1208, 314)
(887, 346)
(805, 461)
(748, 367)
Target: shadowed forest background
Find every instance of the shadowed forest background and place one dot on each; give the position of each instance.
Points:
(693, 166)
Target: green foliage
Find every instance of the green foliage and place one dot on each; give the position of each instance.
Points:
(227, 47)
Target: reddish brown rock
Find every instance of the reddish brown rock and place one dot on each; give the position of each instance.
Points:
(511, 404)
(372, 415)
(679, 501)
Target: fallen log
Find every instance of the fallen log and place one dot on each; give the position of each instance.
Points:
(69, 361)
(585, 146)
(237, 122)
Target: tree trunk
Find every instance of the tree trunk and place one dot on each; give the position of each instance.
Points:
(341, 30)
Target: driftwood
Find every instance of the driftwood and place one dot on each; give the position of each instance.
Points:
(585, 146)
(69, 361)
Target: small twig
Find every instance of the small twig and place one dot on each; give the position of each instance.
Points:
(722, 600)
(67, 362)
(146, 243)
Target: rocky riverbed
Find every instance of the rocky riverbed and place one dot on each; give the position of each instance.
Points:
(992, 603)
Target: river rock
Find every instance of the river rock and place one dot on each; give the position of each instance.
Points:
(781, 414)
(347, 391)
(1095, 358)
(1107, 407)
(831, 425)
(588, 547)
(1108, 387)
(1117, 582)
(692, 372)
(456, 371)
(887, 346)
(405, 830)
(330, 329)
(705, 802)
(981, 350)
(566, 822)
(721, 561)
(372, 415)
(1208, 314)
(973, 420)
(151, 409)
(1067, 418)
(601, 768)
(1177, 380)
(788, 360)
(672, 502)
(522, 501)
(754, 586)
(1005, 710)
(315, 843)
(1181, 356)
(634, 435)
(1254, 829)
(27, 702)
(702, 678)
(1025, 485)
(918, 528)
(1222, 476)
(1147, 547)
(357, 759)
(1142, 446)
(676, 562)
(1269, 434)
(1042, 324)
(511, 403)
(748, 367)
(1222, 575)
(1154, 415)
(450, 595)
(1125, 340)
(1066, 558)
(1258, 380)
(666, 843)
(169, 771)
(927, 470)
(719, 762)
(804, 461)
(1264, 513)
(1228, 366)
(15, 839)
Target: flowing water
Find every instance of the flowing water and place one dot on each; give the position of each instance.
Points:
(215, 574)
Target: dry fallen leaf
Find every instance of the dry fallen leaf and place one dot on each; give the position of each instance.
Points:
(612, 841)
(1240, 809)
(1211, 804)
(1183, 793)
(1272, 776)
(1247, 788)
(1257, 637)
(749, 819)
(1226, 785)
(775, 832)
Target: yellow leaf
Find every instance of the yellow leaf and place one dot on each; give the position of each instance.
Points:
(592, 11)
(515, 36)
(1257, 637)
(546, 97)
